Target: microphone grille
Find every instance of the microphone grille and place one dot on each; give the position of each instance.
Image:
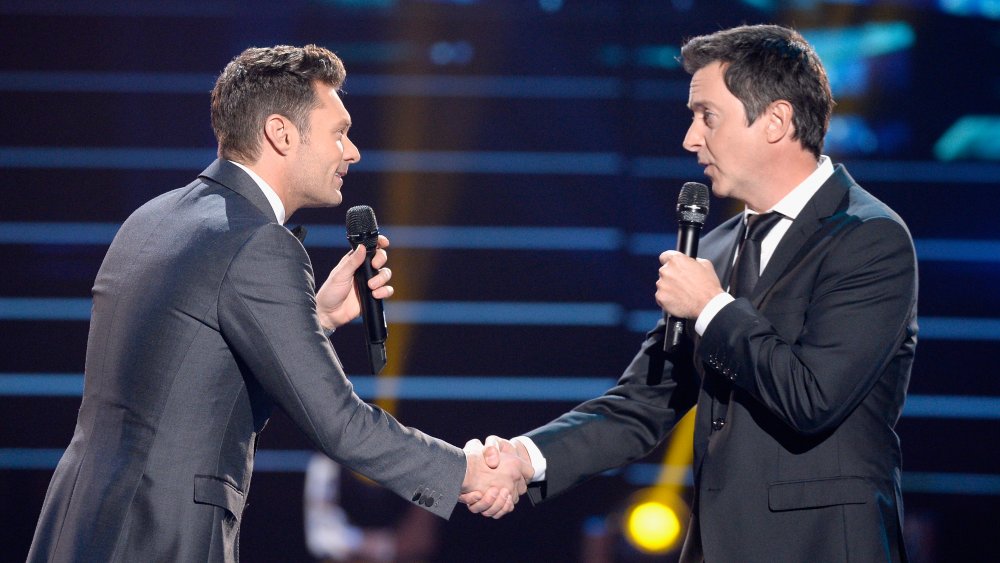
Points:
(362, 226)
(693, 193)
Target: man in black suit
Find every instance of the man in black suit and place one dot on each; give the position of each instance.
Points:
(205, 318)
(799, 376)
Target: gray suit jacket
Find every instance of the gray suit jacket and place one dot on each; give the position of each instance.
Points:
(798, 390)
(204, 320)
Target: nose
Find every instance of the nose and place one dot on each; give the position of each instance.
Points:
(693, 138)
(351, 152)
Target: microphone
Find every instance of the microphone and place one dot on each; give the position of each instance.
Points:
(692, 209)
(362, 229)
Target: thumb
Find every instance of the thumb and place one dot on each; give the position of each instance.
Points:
(492, 457)
(491, 453)
(344, 270)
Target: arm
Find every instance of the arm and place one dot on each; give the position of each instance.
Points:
(624, 424)
(267, 313)
(855, 321)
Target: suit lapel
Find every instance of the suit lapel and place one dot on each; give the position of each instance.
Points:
(823, 204)
(719, 249)
(229, 175)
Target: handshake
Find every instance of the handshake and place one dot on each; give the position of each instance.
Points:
(497, 474)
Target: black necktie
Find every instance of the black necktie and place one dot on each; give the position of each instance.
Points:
(300, 233)
(746, 272)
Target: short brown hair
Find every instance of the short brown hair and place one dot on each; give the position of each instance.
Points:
(766, 63)
(264, 81)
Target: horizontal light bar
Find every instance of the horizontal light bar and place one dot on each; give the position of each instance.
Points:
(641, 474)
(194, 159)
(499, 313)
(414, 312)
(484, 162)
(417, 85)
(930, 328)
(497, 388)
(420, 388)
(326, 236)
(483, 238)
(648, 474)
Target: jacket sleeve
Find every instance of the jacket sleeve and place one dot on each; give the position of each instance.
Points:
(860, 310)
(623, 424)
(267, 314)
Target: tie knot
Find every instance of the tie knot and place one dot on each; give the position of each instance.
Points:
(759, 225)
(300, 233)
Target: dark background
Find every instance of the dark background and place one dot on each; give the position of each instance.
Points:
(524, 157)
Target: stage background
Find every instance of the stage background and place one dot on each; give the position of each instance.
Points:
(525, 157)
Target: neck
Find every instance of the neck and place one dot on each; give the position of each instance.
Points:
(274, 175)
(783, 176)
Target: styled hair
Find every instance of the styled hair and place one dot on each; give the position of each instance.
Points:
(265, 81)
(766, 63)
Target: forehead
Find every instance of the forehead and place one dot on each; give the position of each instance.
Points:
(331, 106)
(708, 87)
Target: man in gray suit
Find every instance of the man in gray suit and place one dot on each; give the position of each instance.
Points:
(205, 318)
(799, 371)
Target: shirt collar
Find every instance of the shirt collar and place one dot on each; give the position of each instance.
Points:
(269, 193)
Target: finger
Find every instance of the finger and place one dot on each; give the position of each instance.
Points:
(473, 445)
(488, 499)
(379, 259)
(507, 447)
(666, 255)
(494, 440)
(470, 497)
(508, 507)
(384, 292)
(381, 278)
(522, 487)
(383, 242)
(502, 499)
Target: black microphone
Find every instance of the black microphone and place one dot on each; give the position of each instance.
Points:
(692, 209)
(362, 229)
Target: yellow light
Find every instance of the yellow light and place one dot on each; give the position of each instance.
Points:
(653, 527)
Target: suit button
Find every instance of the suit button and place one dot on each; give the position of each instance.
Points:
(428, 501)
(416, 496)
(718, 423)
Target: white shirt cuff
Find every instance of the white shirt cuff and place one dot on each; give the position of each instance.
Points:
(538, 462)
(711, 309)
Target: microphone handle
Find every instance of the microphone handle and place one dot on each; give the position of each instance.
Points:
(687, 244)
(372, 315)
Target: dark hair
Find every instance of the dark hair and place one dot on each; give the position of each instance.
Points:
(765, 63)
(264, 81)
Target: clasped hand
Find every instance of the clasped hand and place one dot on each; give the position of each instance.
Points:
(337, 301)
(497, 475)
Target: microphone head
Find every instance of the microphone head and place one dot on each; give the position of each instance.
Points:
(362, 228)
(693, 193)
(692, 203)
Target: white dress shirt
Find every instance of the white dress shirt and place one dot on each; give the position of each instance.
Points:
(269, 193)
(789, 207)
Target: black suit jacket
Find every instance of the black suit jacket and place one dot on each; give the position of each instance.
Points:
(203, 321)
(798, 390)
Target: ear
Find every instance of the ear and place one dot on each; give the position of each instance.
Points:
(778, 121)
(280, 133)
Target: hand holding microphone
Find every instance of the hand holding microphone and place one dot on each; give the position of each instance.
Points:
(362, 231)
(692, 210)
